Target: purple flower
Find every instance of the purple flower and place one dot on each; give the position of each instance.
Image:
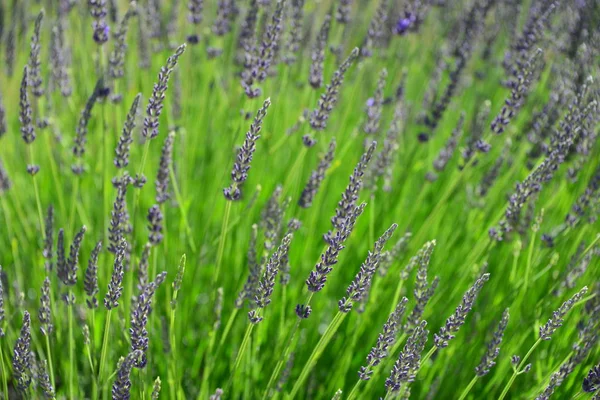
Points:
(404, 24)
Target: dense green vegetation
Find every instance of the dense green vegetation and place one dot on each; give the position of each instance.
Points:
(460, 260)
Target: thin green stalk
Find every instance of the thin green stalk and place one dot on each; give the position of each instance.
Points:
(104, 345)
(467, 390)
(36, 190)
(183, 209)
(4, 374)
(318, 351)
(287, 349)
(71, 351)
(240, 355)
(50, 367)
(222, 239)
(518, 370)
(529, 260)
(94, 382)
(75, 196)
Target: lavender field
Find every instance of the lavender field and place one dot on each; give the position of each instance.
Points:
(294, 199)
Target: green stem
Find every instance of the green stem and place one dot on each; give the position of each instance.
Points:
(36, 191)
(223, 237)
(71, 351)
(465, 392)
(240, 355)
(104, 345)
(518, 369)
(50, 367)
(4, 377)
(318, 351)
(183, 209)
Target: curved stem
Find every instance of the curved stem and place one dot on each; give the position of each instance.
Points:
(104, 345)
(518, 370)
(222, 238)
(240, 355)
(465, 392)
(318, 351)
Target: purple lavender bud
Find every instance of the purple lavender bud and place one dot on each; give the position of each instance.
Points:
(155, 225)
(115, 287)
(59, 63)
(375, 106)
(295, 31)
(404, 23)
(309, 141)
(21, 361)
(116, 59)
(155, 102)
(315, 77)
(328, 100)
(591, 383)
(121, 389)
(139, 320)
(25, 112)
(44, 313)
(35, 72)
(317, 177)
(44, 380)
(303, 311)
(548, 329)
(318, 277)
(376, 29)
(520, 90)
(162, 177)
(358, 288)
(90, 280)
(48, 252)
(195, 8)
(246, 36)
(409, 361)
(493, 347)
(250, 288)
(260, 58)
(387, 338)
(266, 284)
(225, 15)
(446, 153)
(82, 127)
(98, 11)
(122, 150)
(344, 9)
(69, 274)
(61, 259)
(5, 183)
(422, 290)
(243, 161)
(118, 214)
(456, 320)
(350, 195)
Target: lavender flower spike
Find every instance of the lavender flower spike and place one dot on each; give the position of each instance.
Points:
(25, 112)
(548, 329)
(90, 281)
(121, 389)
(155, 102)
(362, 281)
(408, 363)
(374, 106)
(155, 225)
(317, 177)
(456, 320)
(318, 277)
(386, 339)
(328, 100)
(115, 287)
(98, 11)
(239, 173)
(162, 178)
(318, 55)
(139, 319)
(122, 151)
(493, 347)
(35, 73)
(44, 313)
(267, 282)
(21, 361)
